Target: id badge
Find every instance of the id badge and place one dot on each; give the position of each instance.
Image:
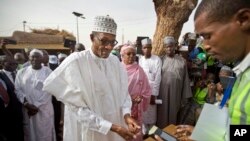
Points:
(39, 85)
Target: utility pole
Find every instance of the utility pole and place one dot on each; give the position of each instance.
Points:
(77, 30)
(122, 36)
(24, 22)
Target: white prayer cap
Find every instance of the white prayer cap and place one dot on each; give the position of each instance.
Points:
(192, 36)
(53, 59)
(227, 69)
(105, 24)
(146, 41)
(169, 40)
(36, 51)
(61, 55)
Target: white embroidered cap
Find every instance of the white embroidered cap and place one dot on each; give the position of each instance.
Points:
(169, 40)
(53, 59)
(36, 51)
(61, 55)
(104, 24)
(146, 41)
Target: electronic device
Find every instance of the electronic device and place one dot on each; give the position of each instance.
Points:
(154, 130)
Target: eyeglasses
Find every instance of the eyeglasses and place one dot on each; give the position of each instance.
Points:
(107, 42)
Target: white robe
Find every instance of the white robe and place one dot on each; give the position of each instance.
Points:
(28, 84)
(95, 94)
(152, 68)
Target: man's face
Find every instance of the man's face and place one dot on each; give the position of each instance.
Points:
(45, 57)
(79, 48)
(36, 60)
(223, 41)
(191, 44)
(103, 43)
(146, 49)
(170, 48)
(10, 64)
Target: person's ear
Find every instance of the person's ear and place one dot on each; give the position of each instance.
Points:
(243, 18)
(92, 37)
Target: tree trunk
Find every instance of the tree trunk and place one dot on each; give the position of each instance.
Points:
(171, 15)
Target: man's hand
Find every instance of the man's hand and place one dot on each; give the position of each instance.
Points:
(152, 100)
(183, 132)
(132, 125)
(137, 99)
(123, 132)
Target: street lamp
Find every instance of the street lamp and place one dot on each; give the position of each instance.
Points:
(81, 16)
(24, 22)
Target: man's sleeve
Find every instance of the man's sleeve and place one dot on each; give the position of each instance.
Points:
(157, 82)
(92, 121)
(18, 88)
(127, 103)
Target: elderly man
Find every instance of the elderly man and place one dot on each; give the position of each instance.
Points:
(94, 88)
(174, 87)
(151, 65)
(38, 108)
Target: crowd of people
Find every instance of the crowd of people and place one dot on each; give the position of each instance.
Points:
(111, 93)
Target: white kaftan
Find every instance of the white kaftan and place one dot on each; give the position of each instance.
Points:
(28, 84)
(95, 94)
(152, 68)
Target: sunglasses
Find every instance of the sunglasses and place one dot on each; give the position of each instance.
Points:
(107, 42)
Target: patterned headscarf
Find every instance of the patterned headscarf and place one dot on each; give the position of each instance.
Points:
(125, 47)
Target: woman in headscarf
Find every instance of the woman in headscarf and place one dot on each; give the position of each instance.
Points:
(138, 85)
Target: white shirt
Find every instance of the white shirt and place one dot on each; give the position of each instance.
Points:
(152, 68)
(242, 66)
(95, 94)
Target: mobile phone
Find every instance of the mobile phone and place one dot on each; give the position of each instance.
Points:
(10, 41)
(154, 130)
(69, 43)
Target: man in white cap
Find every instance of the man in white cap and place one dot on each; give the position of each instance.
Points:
(174, 87)
(53, 62)
(93, 86)
(38, 109)
(151, 65)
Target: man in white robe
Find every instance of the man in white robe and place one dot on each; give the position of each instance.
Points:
(93, 86)
(38, 109)
(151, 65)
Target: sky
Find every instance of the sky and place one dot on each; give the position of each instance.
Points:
(133, 17)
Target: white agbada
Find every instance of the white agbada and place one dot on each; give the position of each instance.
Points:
(28, 84)
(152, 68)
(95, 94)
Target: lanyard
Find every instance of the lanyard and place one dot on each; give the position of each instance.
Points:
(227, 92)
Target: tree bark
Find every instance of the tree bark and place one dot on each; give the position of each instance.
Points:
(171, 15)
